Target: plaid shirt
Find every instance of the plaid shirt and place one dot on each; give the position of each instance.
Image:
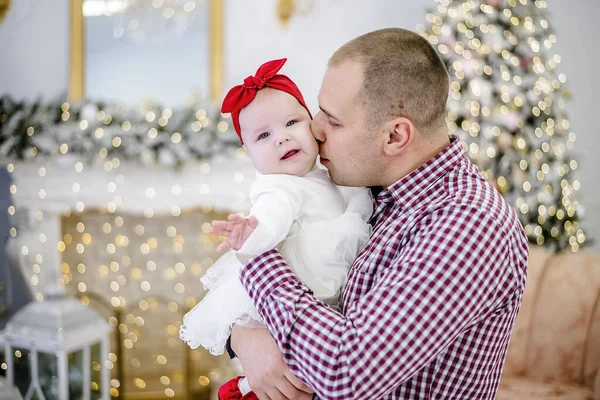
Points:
(429, 303)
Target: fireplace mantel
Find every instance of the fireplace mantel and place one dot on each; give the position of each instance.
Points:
(46, 190)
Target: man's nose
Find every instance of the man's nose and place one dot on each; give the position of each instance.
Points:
(316, 128)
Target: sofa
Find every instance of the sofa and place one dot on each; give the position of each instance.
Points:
(554, 352)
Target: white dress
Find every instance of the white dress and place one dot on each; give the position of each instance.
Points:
(318, 235)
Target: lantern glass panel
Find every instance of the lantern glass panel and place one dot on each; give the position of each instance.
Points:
(48, 374)
(76, 384)
(22, 375)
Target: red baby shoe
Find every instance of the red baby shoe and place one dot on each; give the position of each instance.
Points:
(231, 391)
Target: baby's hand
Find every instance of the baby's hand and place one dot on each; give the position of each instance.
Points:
(237, 229)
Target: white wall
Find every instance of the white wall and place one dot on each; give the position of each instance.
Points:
(35, 60)
(575, 24)
(308, 41)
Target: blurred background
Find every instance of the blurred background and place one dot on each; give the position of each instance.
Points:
(116, 158)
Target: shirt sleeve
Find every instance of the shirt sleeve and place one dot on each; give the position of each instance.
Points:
(439, 284)
(276, 205)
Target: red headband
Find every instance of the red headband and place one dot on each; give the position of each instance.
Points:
(266, 76)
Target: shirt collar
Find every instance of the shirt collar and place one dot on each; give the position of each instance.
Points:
(409, 188)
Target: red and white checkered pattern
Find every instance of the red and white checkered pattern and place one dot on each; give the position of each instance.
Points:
(429, 303)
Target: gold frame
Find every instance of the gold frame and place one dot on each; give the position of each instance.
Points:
(76, 70)
(4, 7)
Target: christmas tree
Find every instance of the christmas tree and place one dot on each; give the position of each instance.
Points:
(507, 105)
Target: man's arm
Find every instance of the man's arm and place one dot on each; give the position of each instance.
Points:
(440, 283)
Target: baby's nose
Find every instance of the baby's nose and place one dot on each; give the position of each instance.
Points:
(283, 139)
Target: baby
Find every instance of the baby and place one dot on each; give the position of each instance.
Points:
(295, 207)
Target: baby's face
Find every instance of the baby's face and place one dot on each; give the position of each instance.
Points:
(276, 133)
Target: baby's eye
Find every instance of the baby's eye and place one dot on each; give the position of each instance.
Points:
(334, 124)
(263, 135)
(290, 123)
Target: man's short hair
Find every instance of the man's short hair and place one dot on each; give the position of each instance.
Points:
(403, 77)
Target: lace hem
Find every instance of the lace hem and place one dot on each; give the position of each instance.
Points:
(197, 331)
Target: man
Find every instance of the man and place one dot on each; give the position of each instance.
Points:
(429, 303)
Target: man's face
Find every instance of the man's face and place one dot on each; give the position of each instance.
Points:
(347, 150)
(276, 133)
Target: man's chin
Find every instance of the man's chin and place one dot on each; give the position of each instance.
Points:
(340, 180)
(335, 178)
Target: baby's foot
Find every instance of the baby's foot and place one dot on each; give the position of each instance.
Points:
(236, 388)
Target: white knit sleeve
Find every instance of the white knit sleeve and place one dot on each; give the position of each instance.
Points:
(276, 204)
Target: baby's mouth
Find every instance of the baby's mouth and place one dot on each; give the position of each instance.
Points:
(290, 154)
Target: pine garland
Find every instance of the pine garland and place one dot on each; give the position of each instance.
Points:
(148, 135)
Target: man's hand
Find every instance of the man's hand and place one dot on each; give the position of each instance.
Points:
(237, 229)
(268, 375)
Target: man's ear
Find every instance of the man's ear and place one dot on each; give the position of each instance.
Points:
(399, 133)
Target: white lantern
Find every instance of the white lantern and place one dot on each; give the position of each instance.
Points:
(59, 333)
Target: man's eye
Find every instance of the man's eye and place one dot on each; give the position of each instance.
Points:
(263, 135)
(290, 123)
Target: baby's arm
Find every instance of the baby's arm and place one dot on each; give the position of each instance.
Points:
(269, 222)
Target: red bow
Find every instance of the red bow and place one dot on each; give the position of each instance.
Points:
(240, 96)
